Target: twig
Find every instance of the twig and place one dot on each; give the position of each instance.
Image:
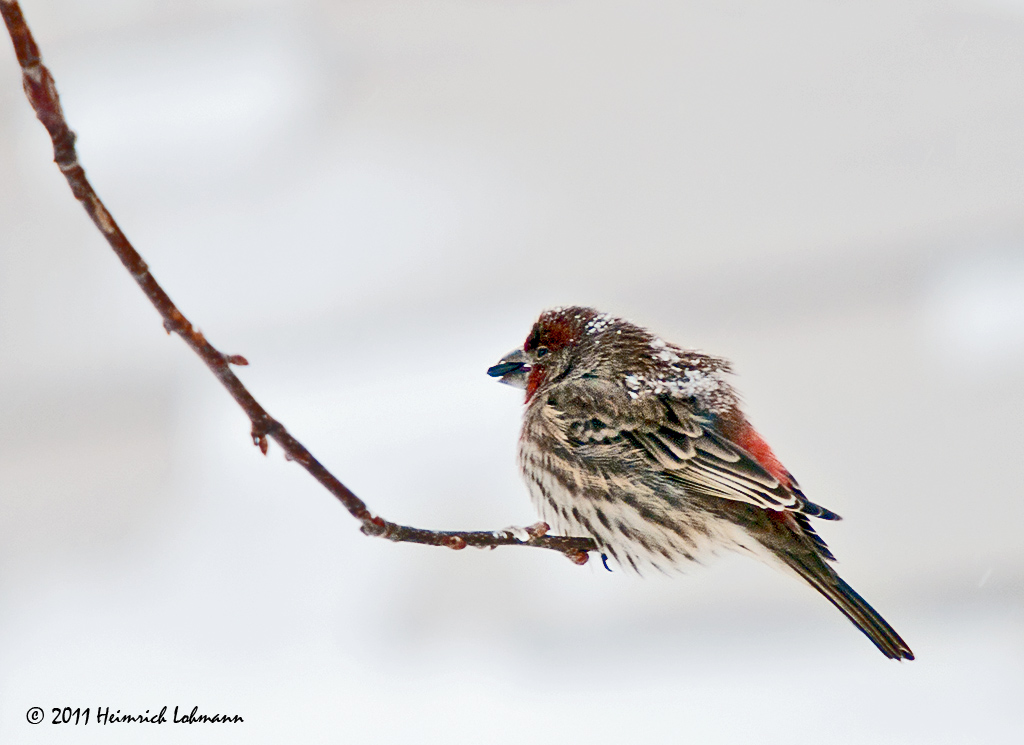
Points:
(42, 94)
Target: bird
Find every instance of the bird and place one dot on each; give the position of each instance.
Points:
(641, 445)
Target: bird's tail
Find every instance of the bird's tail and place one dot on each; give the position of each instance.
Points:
(824, 579)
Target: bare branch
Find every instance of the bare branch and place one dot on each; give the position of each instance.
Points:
(42, 94)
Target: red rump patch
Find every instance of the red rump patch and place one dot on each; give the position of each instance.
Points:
(748, 439)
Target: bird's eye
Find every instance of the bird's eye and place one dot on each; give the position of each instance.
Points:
(541, 351)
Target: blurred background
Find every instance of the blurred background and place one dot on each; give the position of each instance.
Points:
(372, 201)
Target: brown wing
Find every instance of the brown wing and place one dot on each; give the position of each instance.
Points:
(669, 434)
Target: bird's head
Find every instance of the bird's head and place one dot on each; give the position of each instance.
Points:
(567, 343)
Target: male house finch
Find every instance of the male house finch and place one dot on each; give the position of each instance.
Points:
(642, 446)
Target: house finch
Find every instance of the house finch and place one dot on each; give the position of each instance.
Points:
(641, 445)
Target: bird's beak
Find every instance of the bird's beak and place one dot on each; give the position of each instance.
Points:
(512, 369)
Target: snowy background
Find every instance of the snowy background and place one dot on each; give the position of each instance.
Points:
(372, 201)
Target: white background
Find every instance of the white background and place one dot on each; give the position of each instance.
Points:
(372, 201)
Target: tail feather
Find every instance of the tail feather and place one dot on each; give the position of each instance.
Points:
(823, 579)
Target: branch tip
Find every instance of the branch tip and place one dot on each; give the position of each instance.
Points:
(41, 90)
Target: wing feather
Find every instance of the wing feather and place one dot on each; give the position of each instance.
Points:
(685, 445)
